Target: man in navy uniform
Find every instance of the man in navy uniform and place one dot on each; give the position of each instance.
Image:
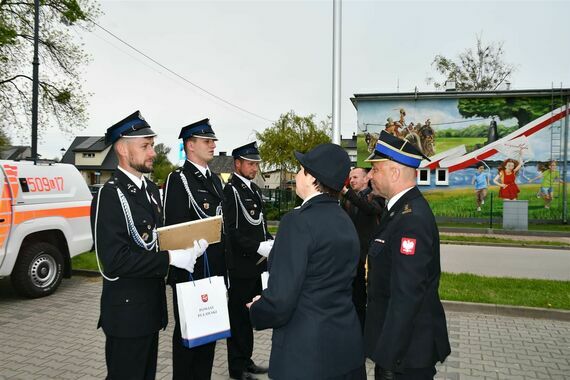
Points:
(251, 243)
(193, 192)
(308, 301)
(124, 217)
(364, 209)
(405, 332)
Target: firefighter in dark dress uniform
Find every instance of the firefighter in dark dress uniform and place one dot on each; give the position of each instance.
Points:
(124, 217)
(405, 332)
(193, 192)
(251, 244)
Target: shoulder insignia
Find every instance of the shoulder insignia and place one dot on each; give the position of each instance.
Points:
(407, 209)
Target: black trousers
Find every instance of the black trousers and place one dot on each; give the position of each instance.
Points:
(357, 374)
(190, 363)
(131, 358)
(410, 374)
(359, 293)
(240, 345)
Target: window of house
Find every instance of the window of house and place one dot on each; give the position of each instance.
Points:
(88, 155)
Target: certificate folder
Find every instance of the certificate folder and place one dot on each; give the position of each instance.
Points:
(182, 235)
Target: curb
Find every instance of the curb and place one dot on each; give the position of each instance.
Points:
(85, 273)
(506, 310)
(512, 245)
(457, 306)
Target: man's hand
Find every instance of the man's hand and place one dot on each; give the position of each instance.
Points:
(186, 258)
(265, 248)
(248, 305)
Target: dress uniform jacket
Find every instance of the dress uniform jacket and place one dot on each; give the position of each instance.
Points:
(208, 195)
(364, 213)
(405, 321)
(135, 304)
(308, 302)
(244, 237)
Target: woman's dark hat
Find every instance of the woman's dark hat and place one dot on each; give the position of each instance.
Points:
(328, 163)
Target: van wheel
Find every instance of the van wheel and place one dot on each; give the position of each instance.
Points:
(38, 271)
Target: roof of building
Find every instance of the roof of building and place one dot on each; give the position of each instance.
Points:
(16, 152)
(90, 144)
(222, 164)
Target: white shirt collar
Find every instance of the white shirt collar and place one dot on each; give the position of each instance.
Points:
(245, 180)
(310, 197)
(201, 168)
(136, 180)
(396, 197)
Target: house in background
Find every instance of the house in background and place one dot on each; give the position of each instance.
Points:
(95, 160)
(274, 179)
(349, 145)
(17, 152)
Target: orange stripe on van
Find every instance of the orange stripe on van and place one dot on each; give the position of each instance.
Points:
(67, 212)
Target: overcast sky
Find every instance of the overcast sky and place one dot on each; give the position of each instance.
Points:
(270, 57)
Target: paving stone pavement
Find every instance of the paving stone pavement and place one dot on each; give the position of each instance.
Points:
(55, 338)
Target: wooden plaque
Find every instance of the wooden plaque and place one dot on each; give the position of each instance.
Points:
(182, 235)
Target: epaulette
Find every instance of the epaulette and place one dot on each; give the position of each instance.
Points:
(113, 182)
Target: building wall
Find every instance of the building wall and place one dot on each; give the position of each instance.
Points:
(96, 160)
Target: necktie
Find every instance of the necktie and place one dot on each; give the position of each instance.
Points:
(143, 189)
(208, 175)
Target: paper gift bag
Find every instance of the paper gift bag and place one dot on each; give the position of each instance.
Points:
(203, 311)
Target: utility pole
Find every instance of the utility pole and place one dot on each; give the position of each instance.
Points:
(35, 81)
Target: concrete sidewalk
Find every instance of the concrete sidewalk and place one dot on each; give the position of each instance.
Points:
(517, 262)
(55, 338)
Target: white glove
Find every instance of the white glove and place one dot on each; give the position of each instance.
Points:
(265, 248)
(186, 258)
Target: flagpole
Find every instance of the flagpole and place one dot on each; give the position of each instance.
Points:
(337, 42)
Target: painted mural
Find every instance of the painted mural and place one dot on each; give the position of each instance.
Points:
(510, 147)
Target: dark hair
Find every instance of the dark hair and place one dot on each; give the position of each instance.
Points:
(321, 187)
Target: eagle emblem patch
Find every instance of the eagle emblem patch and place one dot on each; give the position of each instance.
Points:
(408, 246)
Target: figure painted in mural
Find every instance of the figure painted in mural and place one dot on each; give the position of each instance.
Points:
(506, 179)
(364, 209)
(549, 174)
(193, 192)
(481, 182)
(308, 301)
(251, 244)
(124, 217)
(405, 332)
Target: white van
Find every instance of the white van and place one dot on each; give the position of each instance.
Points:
(44, 222)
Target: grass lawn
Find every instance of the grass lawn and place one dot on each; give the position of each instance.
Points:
(460, 202)
(444, 143)
(498, 227)
(505, 291)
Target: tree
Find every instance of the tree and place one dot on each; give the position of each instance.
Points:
(62, 101)
(474, 70)
(288, 134)
(523, 109)
(162, 166)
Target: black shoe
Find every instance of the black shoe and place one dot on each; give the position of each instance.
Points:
(252, 368)
(243, 376)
